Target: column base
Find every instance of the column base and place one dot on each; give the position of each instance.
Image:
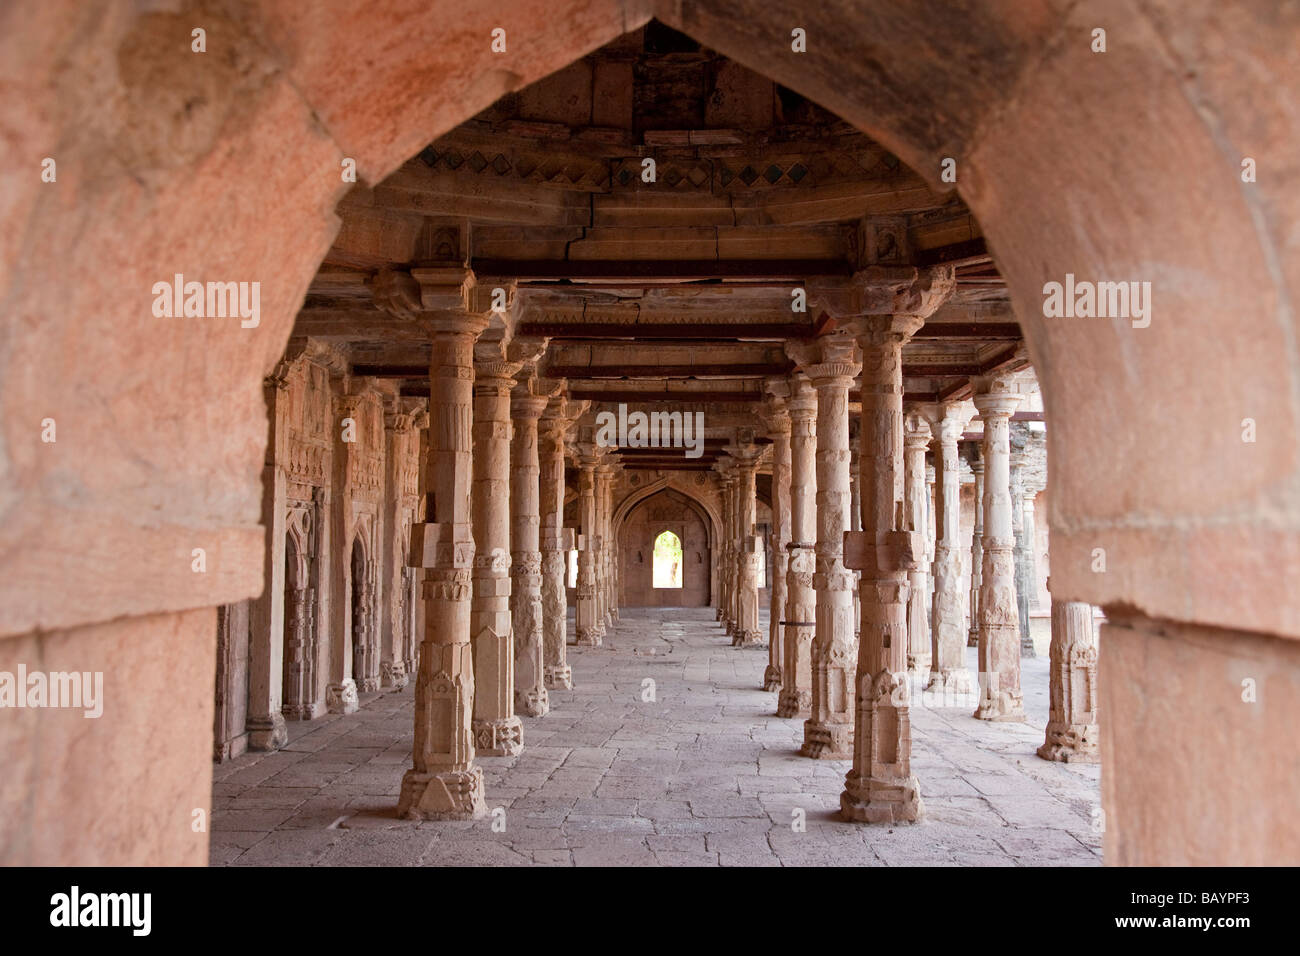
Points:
(451, 795)
(717, 614)
(743, 638)
(1000, 706)
(918, 663)
(503, 737)
(956, 682)
(267, 734)
(558, 677)
(794, 703)
(532, 703)
(895, 800)
(590, 636)
(823, 741)
(973, 640)
(392, 675)
(772, 678)
(368, 685)
(1071, 743)
(342, 698)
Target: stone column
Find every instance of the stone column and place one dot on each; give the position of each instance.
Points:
(399, 498)
(801, 596)
(828, 732)
(1018, 439)
(443, 782)
(591, 629)
(916, 440)
(855, 509)
(746, 632)
(526, 407)
(881, 788)
(778, 428)
(556, 542)
(727, 575)
(948, 673)
(266, 727)
(999, 647)
(497, 729)
(1072, 732)
(976, 546)
(605, 475)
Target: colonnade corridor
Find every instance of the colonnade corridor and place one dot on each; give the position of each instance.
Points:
(700, 772)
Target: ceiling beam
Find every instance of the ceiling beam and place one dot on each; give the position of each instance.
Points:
(628, 270)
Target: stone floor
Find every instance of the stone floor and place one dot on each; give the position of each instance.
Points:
(701, 774)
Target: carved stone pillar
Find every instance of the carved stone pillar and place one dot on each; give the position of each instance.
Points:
(266, 727)
(999, 647)
(497, 729)
(976, 546)
(778, 428)
(948, 673)
(605, 475)
(1072, 732)
(590, 628)
(526, 407)
(727, 576)
(916, 440)
(399, 500)
(746, 632)
(828, 732)
(881, 788)
(556, 542)
(298, 649)
(801, 596)
(443, 782)
(1019, 438)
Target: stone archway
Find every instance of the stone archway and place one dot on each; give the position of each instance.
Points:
(673, 512)
(1064, 155)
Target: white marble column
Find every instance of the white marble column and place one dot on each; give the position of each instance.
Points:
(443, 782)
(999, 647)
(799, 616)
(828, 732)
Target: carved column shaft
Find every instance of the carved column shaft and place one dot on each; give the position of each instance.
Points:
(591, 629)
(999, 647)
(948, 671)
(916, 441)
(880, 787)
(976, 549)
(443, 782)
(555, 555)
(1072, 731)
(828, 732)
(747, 633)
(801, 595)
(497, 729)
(780, 557)
(531, 697)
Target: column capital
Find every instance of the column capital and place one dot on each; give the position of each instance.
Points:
(948, 420)
(885, 290)
(994, 397)
(916, 431)
(878, 330)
